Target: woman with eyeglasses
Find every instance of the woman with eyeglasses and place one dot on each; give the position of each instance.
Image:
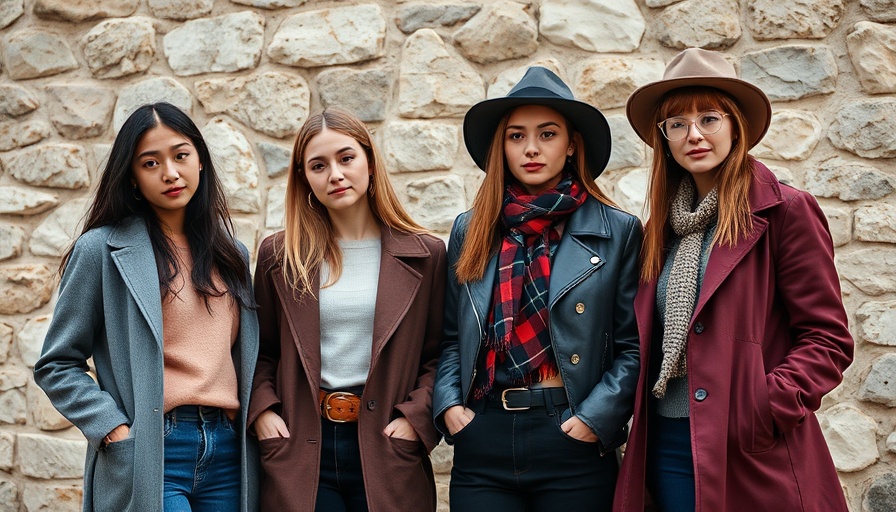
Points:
(742, 326)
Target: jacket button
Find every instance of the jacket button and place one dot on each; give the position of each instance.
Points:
(698, 327)
(580, 308)
(595, 260)
(700, 394)
(371, 405)
(574, 359)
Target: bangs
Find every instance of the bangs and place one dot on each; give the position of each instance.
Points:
(699, 99)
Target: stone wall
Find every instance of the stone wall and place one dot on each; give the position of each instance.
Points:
(250, 71)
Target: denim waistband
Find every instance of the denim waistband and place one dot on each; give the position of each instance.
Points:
(197, 413)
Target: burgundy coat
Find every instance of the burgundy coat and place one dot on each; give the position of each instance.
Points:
(768, 339)
(407, 331)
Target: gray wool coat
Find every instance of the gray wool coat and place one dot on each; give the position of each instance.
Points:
(109, 308)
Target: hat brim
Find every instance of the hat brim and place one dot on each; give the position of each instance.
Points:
(483, 118)
(641, 105)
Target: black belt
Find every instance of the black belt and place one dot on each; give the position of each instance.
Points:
(521, 399)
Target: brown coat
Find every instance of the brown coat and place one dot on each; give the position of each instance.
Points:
(406, 335)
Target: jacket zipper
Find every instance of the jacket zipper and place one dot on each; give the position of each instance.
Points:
(478, 345)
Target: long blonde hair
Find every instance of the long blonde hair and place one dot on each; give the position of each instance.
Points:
(733, 179)
(482, 237)
(309, 238)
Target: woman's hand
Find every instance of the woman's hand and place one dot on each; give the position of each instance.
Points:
(457, 417)
(577, 429)
(119, 433)
(270, 425)
(401, 428)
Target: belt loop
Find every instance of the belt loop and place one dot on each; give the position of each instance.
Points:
(548, 401)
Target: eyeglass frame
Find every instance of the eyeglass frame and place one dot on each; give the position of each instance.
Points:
(689, 123)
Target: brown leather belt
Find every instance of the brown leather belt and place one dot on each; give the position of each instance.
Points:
(339, 406)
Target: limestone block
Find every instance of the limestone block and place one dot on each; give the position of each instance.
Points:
(364, 92)
(607, 82)
(883, 11)
(46, 457)
(235, 164)
(49, 165)
(246, 231)
(25, 287)
(881, 495)
(880, 384)
(796, 19)
(434, 83)
(848, 181)
(180, 9)
(787, 73)
(877, 323)
(7, 449)
(792, 135)
(711, 24)
(866, 128)
(323, 37)
(876, 223)
(21, 132)
(442, 458)
(891, 442)
(80, 10)
(13, 377)
(500, 31)
(274, 217)
(8, 496)
(436, 202)
(420, 145)
(151, 90)
(30, 339)
(43, 415)
(505, 80)
(120, 47)
(16, 100)
(55, 234)
(628, 150)
(840, 224)
(23, 201)
(872, 51)
(851, 436)
(631, 191)
(10, 10)
(272, 103)
(659, 3)
(79, 111)
(33, 54)
(602, 26)
(414, 16)
(52, 497)
(226, 43)
(872, 270)
(270, 4)
(783, 174)
(276, 158)
(12, 407)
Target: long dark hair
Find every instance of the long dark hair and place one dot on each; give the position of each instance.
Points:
(207, 224)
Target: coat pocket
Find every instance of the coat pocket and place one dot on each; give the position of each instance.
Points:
(113, 476)
(756, 426)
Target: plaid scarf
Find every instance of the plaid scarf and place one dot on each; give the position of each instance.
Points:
(518, 323)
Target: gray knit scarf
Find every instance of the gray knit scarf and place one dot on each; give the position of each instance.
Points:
(681, 293)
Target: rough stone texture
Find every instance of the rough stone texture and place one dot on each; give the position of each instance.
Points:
(23, 201)
(10, 10)
(630, 191)
(607, 82)
(434, 83)
(876, 323)
(59, 229)
(792, 135)
(659, 3)
(50, 457)
(8, 496)
(6, 333)
(150, 90)
(442, 458)
(500, 31)
(784, 174)
(711, 24)
(866, 128)
(24, 288)
(848, 181)
(180, 9)
(220, 44)
(794, 19)
(880, 385)
(80, 111)
(81, 10)
(272, 103)
(12, 239)
(628, 150)
(364, 92)
(276, 207)
(7, 449)
(594, 25)
(33, 54)
(52, 498)
(789, 73)
(270, 4)
(21, 132)
(840, 224)
(246, 231)
(881, 496)
(43, 415)
(49, 165)
(851, 436)
(414, 16)
(435, 202)
(872, 51)
(116, 48)
(235, 164)
(872, 270)
(30, 339)
(876, 223)
(16, 100)
(276, 158)
(420, 145)
(12, 407)
(338, 35)
(891, 442)
(13, 378)
(880, 10)
(504, 82)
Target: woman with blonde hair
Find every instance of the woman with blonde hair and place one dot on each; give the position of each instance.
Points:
(350, 303)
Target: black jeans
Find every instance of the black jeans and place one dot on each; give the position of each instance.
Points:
(341, 486)
(521, 461)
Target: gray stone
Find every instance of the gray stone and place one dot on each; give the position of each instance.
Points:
(272, 103)
(49, 165)
(7, 449)
(274, 216)
(12, 407)
(434, 83)
(30, 339)
(848, 181)
(628, 150)
(6, 333)
(151, 90)
(872, 51)
(43, 415)
(420, 145)
(414, 16)
(46, 457)
(32, 54)
(23, 201)
(877, 323)
(500, 31)
(79, 111)
(270, 4)
(55, 234)
(13, 377)
(659, 3)
(324, 37)
(235, 163)
(880, 384)
(839, 223)
(246, 231)
(881, 495)
(8, 496)
(711, 24)
(21, 132)
(181, 9)
(866, 128)
(10, 11)
(792, 72)
(631, 191)
(364, 92)
(81, 10)
(880, 10)
(505, 80)
(226, 43)
(276, 158)
(792, 135)
(872, 270)
(436, 202)
(851, 436)
(116, 48)
(607, 82)
(15, 100)
(891, 442)
(796, 19)
(25, 287)
(594, 25)
(876, 223)
(52, 497)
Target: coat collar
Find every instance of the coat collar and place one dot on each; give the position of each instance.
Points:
(765, 191)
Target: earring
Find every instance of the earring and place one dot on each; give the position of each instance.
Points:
(136, 192)
(310, 204)
(371, 186)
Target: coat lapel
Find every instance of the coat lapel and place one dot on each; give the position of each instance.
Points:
(575, 259)
(303, 318)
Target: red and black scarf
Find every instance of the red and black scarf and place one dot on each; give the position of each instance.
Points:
(518, 328)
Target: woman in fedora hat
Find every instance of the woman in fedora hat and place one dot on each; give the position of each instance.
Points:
(540, 357)
(742, 326)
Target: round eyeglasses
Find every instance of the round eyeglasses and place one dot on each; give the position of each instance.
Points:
(677, 128)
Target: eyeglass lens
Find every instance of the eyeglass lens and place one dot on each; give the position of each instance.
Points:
(676, 128)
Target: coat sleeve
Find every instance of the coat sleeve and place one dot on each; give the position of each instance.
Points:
(77, 328)
(809, 286)
(264, 387)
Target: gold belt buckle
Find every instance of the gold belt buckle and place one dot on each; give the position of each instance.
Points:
(325, 405)
(504, 400)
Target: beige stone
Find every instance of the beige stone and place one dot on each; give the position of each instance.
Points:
(872, 51)
(660, 3)
(246, 231)
(43, 415)
(25, 287)
(181, 9)
(505, 80)
(151, 90)
(226, 43)
(851, 436)
(34, 54)
(274, 217)
(337, 35)
(871, 270)
(848, 181)
(45, 457)
(436, 202)
(23, 201)
(364, 92)
(879, 385)
(81, 10)
(784, 175)
(791, 72)
(876, 223)
(500, 31)
(876, 322)
(792, 135)
(413, 16)
(891, 442)
(10, 11)
(20, 132)
(12, 407)
(30, 339)
(803, 19)
(607, 82)
(80, 111)
(55, 234)
(839, 223)
(6, 332)
(865, 128)
(121, 47)
(52, 497)
(883, 11)
(49, 165)
(235, 164)
(594, 25)
(631, 191)
(442, 458)
(16, 100)
(7, 451)
(8, 496)
(13, 377)
(270, 4)
(628, 150)
(420, 145)
(711, 24)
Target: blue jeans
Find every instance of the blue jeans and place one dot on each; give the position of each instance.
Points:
(202, 461)
(341, 486)
(670, 464)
